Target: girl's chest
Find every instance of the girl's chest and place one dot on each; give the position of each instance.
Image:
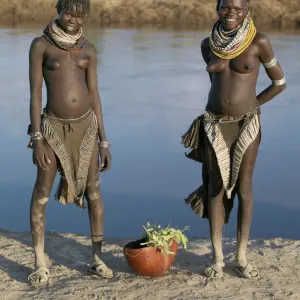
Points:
(56, 59)
(244, 63)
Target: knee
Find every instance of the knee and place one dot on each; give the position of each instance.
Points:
(92, 192)
(93, 185)
(93, 196)
(244, 189)
(95, 201)
(41, 194)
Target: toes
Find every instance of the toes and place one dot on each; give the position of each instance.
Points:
(211, 273)
(254, 273)
(99, 268)
(208, 272)
(39, 277)
(105, 271)
(247, 272)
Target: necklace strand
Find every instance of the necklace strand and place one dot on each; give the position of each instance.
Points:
(230, 44)
(63, 37)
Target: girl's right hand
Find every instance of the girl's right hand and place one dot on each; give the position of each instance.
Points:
(40, 155)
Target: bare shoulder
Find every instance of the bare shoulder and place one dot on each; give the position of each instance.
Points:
(39, 43)
(261, 40)
(205, 44)
(205, 49)
(264, 47)
(90, 50)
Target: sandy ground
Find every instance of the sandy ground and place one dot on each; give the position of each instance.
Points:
(68, 254)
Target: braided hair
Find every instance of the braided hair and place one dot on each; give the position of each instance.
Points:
(69, 5)
(219, 4)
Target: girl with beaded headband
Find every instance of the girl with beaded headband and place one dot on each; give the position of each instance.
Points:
(65, 137)
(226, 138)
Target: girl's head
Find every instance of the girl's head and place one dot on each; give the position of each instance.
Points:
(72, 14)
(232, 12)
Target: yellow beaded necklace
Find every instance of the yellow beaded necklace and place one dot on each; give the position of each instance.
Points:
(235, 51)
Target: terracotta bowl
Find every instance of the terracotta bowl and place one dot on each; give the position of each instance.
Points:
(148, 261)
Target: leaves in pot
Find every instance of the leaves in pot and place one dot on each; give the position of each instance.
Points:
(156, 236)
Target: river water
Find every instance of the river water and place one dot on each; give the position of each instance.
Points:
(153, 84)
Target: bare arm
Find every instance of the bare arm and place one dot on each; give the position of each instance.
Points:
(36, 55)
(266, 55)
(92, 84)
(205, 51)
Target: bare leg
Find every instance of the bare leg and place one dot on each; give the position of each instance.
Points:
(245, 195)
(40, 197)
(216, 211)
(96, 209)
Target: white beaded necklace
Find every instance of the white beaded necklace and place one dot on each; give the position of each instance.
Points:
(228, 41)
(63, 37)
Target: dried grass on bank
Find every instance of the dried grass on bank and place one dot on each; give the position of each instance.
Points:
(182, 13)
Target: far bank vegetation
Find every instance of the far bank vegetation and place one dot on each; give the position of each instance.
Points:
(162, 13)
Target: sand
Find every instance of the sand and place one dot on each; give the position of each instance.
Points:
(68, 254)
(179, 13)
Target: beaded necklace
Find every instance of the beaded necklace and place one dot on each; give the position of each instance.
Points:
(230, 44)
(55, 35)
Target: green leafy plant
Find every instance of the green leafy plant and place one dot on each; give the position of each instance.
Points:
(157, 236)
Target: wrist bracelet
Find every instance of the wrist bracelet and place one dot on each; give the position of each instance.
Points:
(34, 136)
(104, 144)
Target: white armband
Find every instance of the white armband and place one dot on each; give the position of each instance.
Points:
(271, 64)
(279, 82)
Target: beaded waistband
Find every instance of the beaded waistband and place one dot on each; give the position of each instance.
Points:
(211, 117)
(65, 121)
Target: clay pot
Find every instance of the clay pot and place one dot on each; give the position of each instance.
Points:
(149, 261)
